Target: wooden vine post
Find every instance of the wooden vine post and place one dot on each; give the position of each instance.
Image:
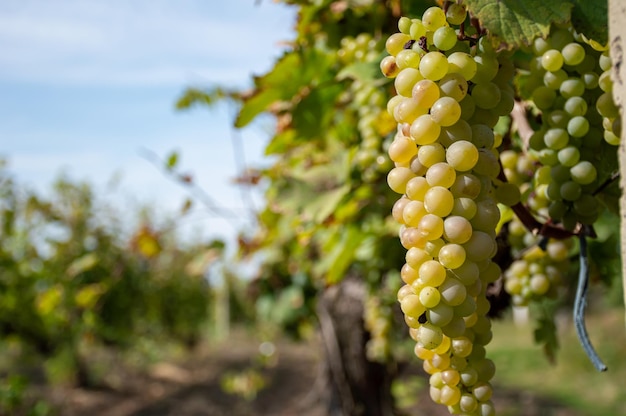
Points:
(617, 42)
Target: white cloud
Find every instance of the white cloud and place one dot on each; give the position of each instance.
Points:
(148, 42)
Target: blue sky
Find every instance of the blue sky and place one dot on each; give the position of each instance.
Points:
(85, 85)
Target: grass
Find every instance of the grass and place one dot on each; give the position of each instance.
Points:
(572, 380)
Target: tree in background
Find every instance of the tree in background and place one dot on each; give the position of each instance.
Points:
(74, 279)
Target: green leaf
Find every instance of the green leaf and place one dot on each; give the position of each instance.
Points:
(546, 332)
(195, 96)
(311, 115)
(282, 83)
(172, 160)
(340, 254)
(591, 19)
(257, 104)
(362, 71)
(321, 208)
(516, 22)
(82, 264)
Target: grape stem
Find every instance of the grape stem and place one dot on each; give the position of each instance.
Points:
(580, 303)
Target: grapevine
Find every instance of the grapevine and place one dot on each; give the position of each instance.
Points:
(456, 173)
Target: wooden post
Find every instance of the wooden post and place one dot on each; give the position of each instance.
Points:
(617, 43)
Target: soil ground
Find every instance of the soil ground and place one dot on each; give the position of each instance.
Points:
(194, 388)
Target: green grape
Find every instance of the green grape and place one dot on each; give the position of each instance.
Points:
(424, 130)
(468, 107)
(429, 297)
(446, 111)
(395, 43)
(578, 126)
(456, 13)
(464, 207)
(388, 67)
(569, 156)
(405, 80)
(444, 38)
(553, 80)
(462, 155)
(572, 87)
(486, 95)
(482, 136)
(560, 37)
(480, 246)
(407, 110)
(440, 315)
(570, 191)
(453, 85)
(413, 212)
(606, 106)
(404, 25)
(461, 130)
(466, 185)
(398, 178)
(576, 106)
(487, 165)
(457, 229)
(463, 64)
(486, 68)
(441, 174)
(402, 149)
(573, 54)
(432, 273)
(438, 201)
(544, 97)
(452, 256)
(416, 166)
(540, 46)
(433, 66)
(416, 256)
(407, 58)
(426, 92)
(408, 274)
(430, 225)
(487, 215)
(605, 62)
(556, 138)
(552, 60)
(583, 172)
(417, 29)
(433, 18)
(429, 154)
(411, 306)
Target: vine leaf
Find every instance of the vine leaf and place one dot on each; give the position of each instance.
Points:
(591, 19)
(517, 22)
(546, 332)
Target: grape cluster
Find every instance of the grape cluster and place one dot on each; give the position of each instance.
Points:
(377, 319)
(539, 268)
(571, 87)
(369, 102)
(450, 95)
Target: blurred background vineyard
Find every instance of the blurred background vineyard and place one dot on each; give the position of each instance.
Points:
(109, 312)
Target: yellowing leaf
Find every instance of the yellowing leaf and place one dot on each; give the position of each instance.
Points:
(82, 264)
(88, 296)
(49, 300)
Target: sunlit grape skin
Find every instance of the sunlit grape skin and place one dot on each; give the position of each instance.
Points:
(446, 166)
